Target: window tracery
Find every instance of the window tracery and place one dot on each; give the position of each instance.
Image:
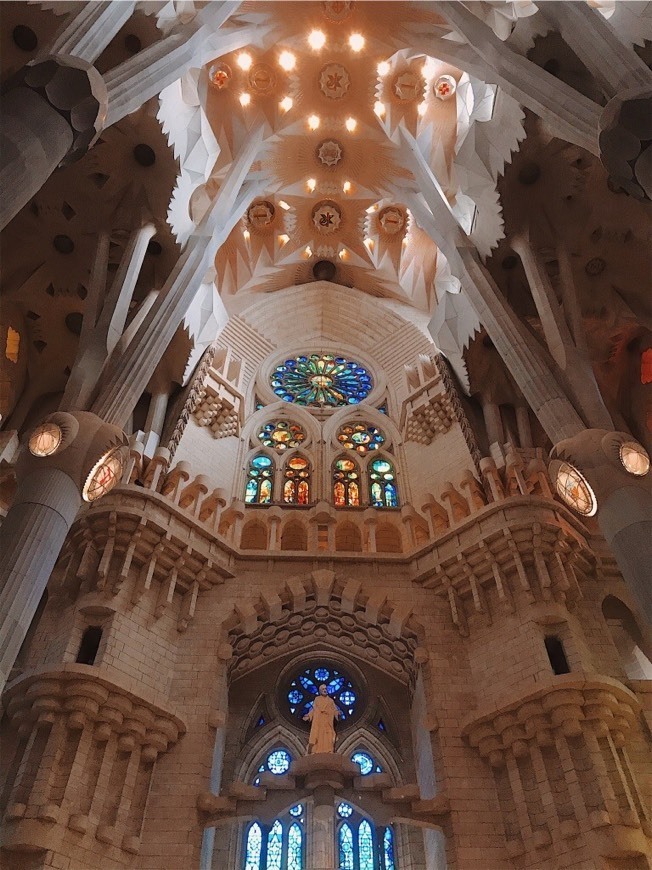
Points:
(383, 492)
(281, 435)
(304, 688)
(296, 481)
(360, 437)
(321, 380)
(346, 483)
(260, 480)
(360, 845)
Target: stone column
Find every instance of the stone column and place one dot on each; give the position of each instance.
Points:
(33, 532)
(624, 503)
(323, 830)
(53, 113)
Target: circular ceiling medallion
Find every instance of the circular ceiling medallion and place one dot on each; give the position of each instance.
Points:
(334, 81)
(330, 152)
(262, 79)
(219, 76)
(260, 215)
(326, 217)
(337, 10)
(444, 87)
(595, 266)
(408, 86)
(391, 220)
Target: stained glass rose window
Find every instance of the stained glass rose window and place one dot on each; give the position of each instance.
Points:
(321, 380)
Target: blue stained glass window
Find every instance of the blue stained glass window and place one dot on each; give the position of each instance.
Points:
(258, 489)
(281, 436)
(278, 762)
(382, 484)
(365, 762)
(321, 380)
(296, 810)
(346, 848)
(253, 847)
(344, 810)
(295, 852)
(275, 846)
(360, 437)
(304, 688)
(388, 849)
(365, 846)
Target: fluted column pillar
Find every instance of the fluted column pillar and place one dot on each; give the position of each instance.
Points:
(323, 831)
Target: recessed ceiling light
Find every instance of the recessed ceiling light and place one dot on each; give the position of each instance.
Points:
(246, 234)
(284, 205)
(245, 99)
(308, 251)
(421, 108)
(346, 187)
(283, 239)
(317, 39)
(379, 108)
(356, 41)
(286, 103)
(351, 124)
(244, 60)
(287, 60)
(311, 184)
(383, 68)
(313, 122)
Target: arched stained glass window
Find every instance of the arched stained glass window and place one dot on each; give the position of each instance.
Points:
(366, 763)
(321, 380)
(253, 847)
(275, 846)
(360, 437)
(280, 846)
(281, 435)
(346, 848)
(260, 480)
(295, 847)
(304, 688)
(365, 846)
(382, 484)
(346, 483)
(296, 481)
(362, 846)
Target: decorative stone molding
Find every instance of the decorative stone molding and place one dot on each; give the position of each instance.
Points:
(77, 732)
(193, 398)
(561, 765)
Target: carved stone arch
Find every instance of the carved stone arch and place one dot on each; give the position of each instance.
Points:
(335, 610)
(279, 735)
(364, 739)
(282, 411)
(362, 413)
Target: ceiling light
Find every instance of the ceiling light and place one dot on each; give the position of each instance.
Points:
(311, 184)
(313, 122)
(308, 251)
(287, 60)
(317, 39)
(369, 244)
(245, 99)
(356, 41)
(283, 239)
(244, 61)
(405, 241)
(346, 187)
(383, 68)
(422, 108)
(429, 68)
(284, 205)
(379, 108)
(286, 103)
(371, 209)
(342, 254)
(246, 234)
(350, 124)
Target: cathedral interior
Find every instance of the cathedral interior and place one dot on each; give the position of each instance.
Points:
(326, 422)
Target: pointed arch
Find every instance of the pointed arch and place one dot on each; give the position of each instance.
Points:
(259, 487)
(253, 847)
(388, 539)
(346, 478)
(254, 536)
(383, 489)
(348, 538)
(294, 536)
(297, 480)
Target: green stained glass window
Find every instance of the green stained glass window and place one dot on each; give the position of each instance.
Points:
(321, 380)
(382, 484)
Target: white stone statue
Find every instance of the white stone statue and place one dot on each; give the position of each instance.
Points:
(323, 714)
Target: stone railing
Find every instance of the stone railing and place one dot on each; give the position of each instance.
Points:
(84, 749)
(561, 765)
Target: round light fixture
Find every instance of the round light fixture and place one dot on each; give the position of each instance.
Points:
(317, 39)
(444, 88)
(287, 61)
(574, 489)
(356, 41)
(634, 458)
(45, 439)
(104, 475)
(244, 61)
